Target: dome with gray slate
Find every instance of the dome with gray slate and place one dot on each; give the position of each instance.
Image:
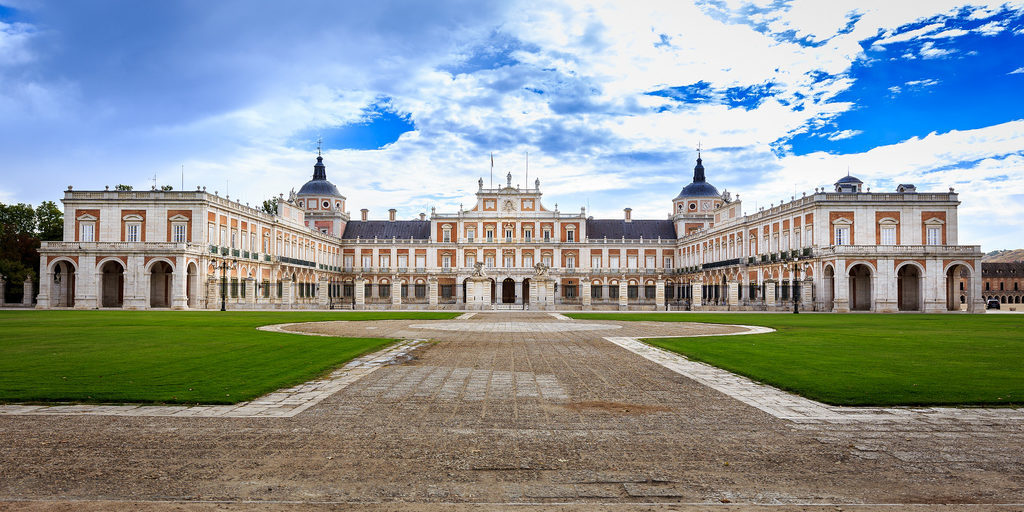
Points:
(319, 186)
(700, 187)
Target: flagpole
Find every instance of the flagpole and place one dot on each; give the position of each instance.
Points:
(492, 169)
(527, 169)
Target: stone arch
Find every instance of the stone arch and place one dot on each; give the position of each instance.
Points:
(954, 272)
(111, 278)
(62, 286)
(508, 291)
(192, 284)
(160, 277)
(860, 289)
(828, 286)
(909, 286)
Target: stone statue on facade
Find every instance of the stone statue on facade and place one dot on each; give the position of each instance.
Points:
(478, 269)
(541, 269)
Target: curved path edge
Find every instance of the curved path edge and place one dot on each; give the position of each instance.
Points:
(795, 408)
(282, 403)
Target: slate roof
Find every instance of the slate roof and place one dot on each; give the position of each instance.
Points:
(405, 229)
(619, 228)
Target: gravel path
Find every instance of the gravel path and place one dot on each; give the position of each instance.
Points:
(549, 415)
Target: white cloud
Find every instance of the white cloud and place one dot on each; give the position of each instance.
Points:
(14, 39)
(1017, 71)
(844, 134)
(929, 51)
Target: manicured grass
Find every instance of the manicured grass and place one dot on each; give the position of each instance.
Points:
(866, 359)
(167, 356)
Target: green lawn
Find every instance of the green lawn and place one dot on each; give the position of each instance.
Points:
(168, 356)
(866, 359)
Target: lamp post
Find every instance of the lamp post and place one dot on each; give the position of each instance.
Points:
(796, 287)
(224, 267)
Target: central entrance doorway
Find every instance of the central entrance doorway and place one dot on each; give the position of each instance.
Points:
(508, 291)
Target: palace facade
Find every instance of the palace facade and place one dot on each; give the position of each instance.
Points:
(841, 250)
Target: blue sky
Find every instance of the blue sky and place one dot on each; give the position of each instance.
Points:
(609, 100)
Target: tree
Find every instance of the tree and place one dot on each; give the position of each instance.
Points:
(19, 247)
(50, 221)
(123, 188)
(18, 218)
(270, 206)
(166, 188)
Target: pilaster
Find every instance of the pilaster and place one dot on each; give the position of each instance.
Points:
(659, 294)
(769, 292)
(432, 291)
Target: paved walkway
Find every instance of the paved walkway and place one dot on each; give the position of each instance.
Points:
(514, 417)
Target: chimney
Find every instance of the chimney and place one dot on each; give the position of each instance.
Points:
(365, 212)
(629, 214)
(423, 216)
(391, 214)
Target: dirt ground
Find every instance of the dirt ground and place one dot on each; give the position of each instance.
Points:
(561, 419)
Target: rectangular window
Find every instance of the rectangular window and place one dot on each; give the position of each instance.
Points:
(632, 291)
(570, 261)
(234, 238)
(212, 236)
(403, 261)
(570, 291)
(570, 236)
(613, 261)
(528, 235)
(470, 234)
(888, 235)
(384, 291)
(489, 261)
(547, 235)
(132, 233)
(808, 236)
(934, 235)
(223, 236)
(842, 235)
(668, 262)
(631, 261)
(88, 232)
(421, 291)
(510, 261)
(385, 261)
(446, 235)
(421, 261)
(178, 233)
(546, 259)
(796, 239)
(595, 291)
(528, 261)
(650, 262)
(490, 235)
(613, 291)
(470, 260)
(447, 291)
(446, 261)
(595, 262)
(367, 261)
(650, 291)
(508, 235)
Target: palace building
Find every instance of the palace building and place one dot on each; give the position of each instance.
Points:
(846, 249)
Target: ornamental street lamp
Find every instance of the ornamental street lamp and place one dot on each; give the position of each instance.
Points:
(796, 287)
(224, 267)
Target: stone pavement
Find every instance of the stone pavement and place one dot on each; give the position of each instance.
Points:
(787, 406)
(281, 403)
(513, 418)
